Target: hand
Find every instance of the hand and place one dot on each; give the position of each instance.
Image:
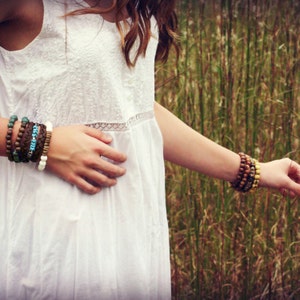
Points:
(75, 156)
(283, 174)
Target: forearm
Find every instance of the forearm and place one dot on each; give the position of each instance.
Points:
(75, 152)
(186, 147)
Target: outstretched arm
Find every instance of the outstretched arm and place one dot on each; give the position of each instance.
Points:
(186, 147)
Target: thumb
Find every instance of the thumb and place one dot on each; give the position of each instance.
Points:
(293, 187)
(294, 177)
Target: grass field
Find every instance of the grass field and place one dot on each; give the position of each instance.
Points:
(237, 81)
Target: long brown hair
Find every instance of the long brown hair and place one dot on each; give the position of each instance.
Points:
(140, 13)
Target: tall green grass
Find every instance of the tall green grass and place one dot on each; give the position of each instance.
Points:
(238, 82)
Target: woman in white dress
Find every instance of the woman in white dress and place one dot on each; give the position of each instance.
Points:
(93, 224)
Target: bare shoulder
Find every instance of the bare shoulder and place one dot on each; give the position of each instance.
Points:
(20, 22)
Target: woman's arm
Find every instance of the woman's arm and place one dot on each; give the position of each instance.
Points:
(186, 147)
(75, 156)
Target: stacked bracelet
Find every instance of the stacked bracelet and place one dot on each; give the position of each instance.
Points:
(248, 176)
(31, 144)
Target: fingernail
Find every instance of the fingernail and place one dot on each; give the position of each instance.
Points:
(109, 137)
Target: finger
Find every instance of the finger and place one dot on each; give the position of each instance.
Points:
(292, 194)
(85, 186)
(97, 163)
(105, 150)
(98, 179)
(285, 193)
(294, 187)
(109, 168)
(294, 171)
(282, 191)
(112, 153)
(98, 134)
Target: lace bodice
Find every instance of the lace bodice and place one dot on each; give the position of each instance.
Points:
(82, 62)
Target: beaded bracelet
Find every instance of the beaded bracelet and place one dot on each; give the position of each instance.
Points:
(25, 142)
(41, 138)
(33, 141)
(43, 159)
(10, 126)
(244, 170)
(250, 179)
(248, 176)
(239, 177)
(257, 176)
(17, 153)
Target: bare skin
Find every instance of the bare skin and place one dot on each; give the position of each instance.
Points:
(20, 22)
(80, 161)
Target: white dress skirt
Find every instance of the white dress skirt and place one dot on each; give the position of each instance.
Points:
(57, 242)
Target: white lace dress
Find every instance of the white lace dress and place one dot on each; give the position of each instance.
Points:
(55, 241)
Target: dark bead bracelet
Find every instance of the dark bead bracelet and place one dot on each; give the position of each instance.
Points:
(241, 172)
(17, 153)
(10, 127)
(25, 142)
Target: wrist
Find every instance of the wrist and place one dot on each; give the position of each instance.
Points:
(23, 141)
(248, 175)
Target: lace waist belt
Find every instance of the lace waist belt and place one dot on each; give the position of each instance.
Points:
(123, 126)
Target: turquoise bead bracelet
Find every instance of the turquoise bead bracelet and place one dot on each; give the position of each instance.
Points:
(17, 153)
